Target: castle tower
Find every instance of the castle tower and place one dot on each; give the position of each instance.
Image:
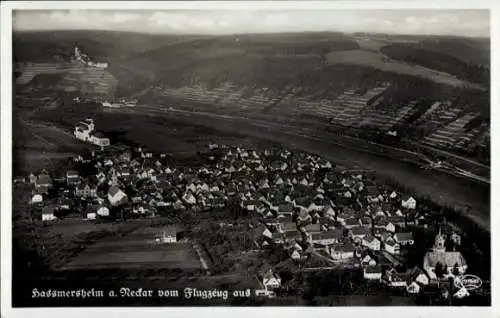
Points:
(439, 242)
(77, 53)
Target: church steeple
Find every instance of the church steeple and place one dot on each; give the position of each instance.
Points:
(439, 242)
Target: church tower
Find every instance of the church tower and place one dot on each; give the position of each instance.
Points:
(114, 178)
(439, 242)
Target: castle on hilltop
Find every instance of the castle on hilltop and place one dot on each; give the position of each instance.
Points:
(85, 59)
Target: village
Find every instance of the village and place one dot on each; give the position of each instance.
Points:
(303, 203)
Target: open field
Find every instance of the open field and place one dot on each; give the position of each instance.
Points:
(135, 251)
(72, 227)
(381, 62)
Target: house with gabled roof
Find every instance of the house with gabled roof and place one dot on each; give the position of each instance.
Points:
(327, 238)
(312, 228)
(373, 273)
(398, 220)
(85, 191)
(366, 221)
(313, 207)
(295, 254)
(404, 238)
(391, 246)
(43, 181)
(351, 222)
(419, 276)
(72, 177)
(304, 217)
(408, 202)
(270, 280)
(342, 251)
(64, 204)
(371, 242)
(384, 224)
(328, 211)
(358, 233)
(397, 280)
(48, 213)
(327, 223)
(344, 215)
(249, 205)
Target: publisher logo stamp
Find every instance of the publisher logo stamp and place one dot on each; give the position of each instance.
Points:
(469, 282)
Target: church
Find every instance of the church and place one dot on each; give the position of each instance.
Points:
(447, 259)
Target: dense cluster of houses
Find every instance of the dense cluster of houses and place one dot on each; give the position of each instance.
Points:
(302, 202)
(84, 131)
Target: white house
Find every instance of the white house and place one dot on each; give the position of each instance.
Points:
(270, 280)
(413, 288)
(111, 105)
(367, 260)
(371, 242)
(99, 139)
(101, 64)
(267, 233)
(72, 177)
(48, 214)
(327, 238)
(408, 202)
(396, 280)
(103, 211)
(91, 215)
(372, 273)
(37, 198)
(342, 252)
(390, 227)
(189, 198)
(168, 235)
(295, 255)
(422, 279)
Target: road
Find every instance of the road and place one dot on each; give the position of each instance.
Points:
(471, 198)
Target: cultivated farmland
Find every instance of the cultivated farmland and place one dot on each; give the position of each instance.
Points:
(136, 250)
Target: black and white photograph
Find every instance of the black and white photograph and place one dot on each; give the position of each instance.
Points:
(250, 157)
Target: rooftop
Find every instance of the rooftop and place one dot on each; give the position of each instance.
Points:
(446, 258)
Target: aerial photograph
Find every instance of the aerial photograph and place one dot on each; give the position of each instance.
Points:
(251, 157)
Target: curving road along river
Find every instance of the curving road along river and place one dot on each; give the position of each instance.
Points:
(471, 197)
